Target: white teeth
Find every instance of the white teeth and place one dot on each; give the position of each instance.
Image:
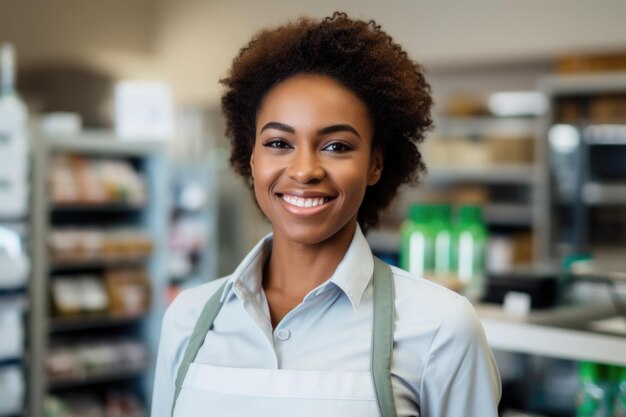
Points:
(303, 202)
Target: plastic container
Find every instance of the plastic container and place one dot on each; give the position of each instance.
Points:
(593, 396)
(619, 405)
(469, 250)
(442, 242)
(13, 140)
(416, 255)
(14, 262)
(11, 390)
(11, 330)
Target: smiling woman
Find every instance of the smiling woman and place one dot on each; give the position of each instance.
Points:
(324, 119)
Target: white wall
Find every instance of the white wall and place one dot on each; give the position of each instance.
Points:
(196, 40)
(114, 36)
(191, 42)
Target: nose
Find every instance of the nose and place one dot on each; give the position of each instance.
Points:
(305, 167)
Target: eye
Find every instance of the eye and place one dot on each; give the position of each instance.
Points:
(277, 143)
(337, 147)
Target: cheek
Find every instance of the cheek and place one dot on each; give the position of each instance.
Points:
(353, 180)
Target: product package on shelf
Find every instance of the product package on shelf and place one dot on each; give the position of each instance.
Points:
(114, 403)
(13, 141)
(81, 361)
(129, 291)
(12, 390)
(82, 294)
(11, 330)
(120, 292)
(91, 244)
(14, 189)
(14, 262)
(78, 180)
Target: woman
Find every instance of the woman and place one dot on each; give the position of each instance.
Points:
(324, 119)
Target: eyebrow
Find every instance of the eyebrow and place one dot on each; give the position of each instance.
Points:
(323, 131)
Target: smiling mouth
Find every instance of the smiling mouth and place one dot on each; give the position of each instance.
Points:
(309, 202)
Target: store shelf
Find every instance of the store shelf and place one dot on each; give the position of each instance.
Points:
(604, 194)
(12, 293)
(558, 333)
(107, 207)
(78, 323)
(388, 239)
(96, 142)
(96, 379)
(60, 266)
(555, 342)
(94, 149)
(494, 174)
(11, 361)
(585, 84)
(508, 214)
(485, 126)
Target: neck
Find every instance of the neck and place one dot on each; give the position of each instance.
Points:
(315, 263)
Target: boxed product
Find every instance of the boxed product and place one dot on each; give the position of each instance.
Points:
(129, 290)
(78, 180)
(80, 294)
(14, 263)
(11, 390)
(11, 330)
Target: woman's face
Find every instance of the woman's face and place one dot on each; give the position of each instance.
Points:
(312, 158)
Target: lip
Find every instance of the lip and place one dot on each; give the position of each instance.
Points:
(306, 211)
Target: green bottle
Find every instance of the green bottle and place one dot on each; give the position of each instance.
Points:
(470, 250)
(442, 243)
(619, 406)
(416, 255)
(591, 398)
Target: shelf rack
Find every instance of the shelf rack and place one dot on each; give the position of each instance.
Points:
(152, 217)
(587, 193)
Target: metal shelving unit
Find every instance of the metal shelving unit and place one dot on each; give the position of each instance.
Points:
(150, 159)
(579, 184)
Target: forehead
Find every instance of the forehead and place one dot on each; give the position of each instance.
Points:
(312, 99)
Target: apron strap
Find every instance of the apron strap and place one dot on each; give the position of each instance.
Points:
(202, 327)
(382, 337)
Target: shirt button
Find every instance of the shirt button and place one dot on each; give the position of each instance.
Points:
(283, 334)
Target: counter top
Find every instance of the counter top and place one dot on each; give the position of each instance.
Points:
(565, 332)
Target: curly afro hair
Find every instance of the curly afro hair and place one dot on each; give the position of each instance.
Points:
(360, 56)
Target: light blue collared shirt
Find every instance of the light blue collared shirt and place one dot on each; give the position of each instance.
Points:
(442, 365)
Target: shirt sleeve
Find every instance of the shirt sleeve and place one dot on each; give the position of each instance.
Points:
(460, 375)
(165, 376)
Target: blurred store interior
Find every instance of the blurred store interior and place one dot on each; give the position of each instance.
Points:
(116, 191)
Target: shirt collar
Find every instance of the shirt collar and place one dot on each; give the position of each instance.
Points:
(352, 275)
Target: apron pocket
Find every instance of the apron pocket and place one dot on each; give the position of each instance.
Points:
(281, 383)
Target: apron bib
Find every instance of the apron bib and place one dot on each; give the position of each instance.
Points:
(201, 388)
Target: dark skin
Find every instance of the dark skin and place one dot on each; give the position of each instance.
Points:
(311, 165)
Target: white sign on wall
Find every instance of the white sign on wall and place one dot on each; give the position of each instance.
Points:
(143, 110)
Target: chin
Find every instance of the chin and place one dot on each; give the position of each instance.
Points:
(310, 234)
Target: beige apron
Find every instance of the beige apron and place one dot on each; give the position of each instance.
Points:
(202, 389)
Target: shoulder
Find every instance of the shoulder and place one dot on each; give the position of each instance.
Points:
(422, 293)
(184, 311)
(441, 310)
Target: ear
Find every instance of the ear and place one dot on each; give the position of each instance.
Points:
(376, 166)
